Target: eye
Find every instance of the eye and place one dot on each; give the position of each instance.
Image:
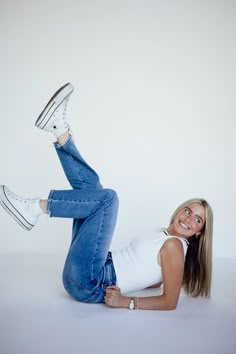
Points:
(198, 220)
(187, 211)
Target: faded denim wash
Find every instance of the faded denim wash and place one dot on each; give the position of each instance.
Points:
(88, 267)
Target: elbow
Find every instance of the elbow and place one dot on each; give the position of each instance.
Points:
(171, 307)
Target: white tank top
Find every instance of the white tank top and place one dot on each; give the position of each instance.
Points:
(136, 265)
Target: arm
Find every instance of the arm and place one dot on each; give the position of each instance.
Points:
(172, 261)
(155, 285)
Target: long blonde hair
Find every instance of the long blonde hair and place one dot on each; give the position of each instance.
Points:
(198, 261)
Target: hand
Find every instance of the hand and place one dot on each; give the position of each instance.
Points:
(113, 296)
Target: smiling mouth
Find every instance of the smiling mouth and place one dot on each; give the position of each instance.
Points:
(184, 226)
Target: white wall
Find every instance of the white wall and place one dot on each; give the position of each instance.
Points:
(152, 110)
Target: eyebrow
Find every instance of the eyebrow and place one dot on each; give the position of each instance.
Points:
(196, 214)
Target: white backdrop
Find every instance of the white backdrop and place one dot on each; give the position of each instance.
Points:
(152, 110)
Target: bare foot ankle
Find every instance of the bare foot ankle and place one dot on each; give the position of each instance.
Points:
(62, 139)
(44, 205)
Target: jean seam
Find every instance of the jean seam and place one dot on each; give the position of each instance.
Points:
(98, 241)
(94, 202)
(78, 172)
(75, 282)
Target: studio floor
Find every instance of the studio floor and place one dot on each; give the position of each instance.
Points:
(38, 317)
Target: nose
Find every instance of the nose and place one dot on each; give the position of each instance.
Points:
(188, 219)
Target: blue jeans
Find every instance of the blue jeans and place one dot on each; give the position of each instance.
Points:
(88, 268)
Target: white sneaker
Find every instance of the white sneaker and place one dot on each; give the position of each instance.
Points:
(25, 211)
(53, 117)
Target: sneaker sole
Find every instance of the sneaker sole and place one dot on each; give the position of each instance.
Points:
(10, 209)
(56, 100)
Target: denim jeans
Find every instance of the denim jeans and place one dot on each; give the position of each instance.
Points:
(88, 267)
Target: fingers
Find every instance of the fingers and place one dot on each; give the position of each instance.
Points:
(108, 299)
(113, 287)
(112, 295)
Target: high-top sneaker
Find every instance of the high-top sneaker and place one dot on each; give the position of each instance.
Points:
(53, 117)
(25, 211)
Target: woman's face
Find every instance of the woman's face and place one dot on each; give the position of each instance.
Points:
(188, 221)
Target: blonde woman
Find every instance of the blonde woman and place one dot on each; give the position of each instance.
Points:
(179, 256)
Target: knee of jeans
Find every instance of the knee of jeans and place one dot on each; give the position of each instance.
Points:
(83, 294)
(111, 195)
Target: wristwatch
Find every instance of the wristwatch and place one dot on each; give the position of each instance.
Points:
(131, 304)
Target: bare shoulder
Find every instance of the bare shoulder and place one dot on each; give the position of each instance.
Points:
(172, 248)
(172, 243)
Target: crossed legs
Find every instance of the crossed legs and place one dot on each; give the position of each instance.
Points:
(88, 268)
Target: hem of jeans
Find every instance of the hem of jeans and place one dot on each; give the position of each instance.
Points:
(58, 146)
(112, 271)
(50, 203)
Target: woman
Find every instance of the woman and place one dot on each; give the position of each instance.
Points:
(179, 256)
